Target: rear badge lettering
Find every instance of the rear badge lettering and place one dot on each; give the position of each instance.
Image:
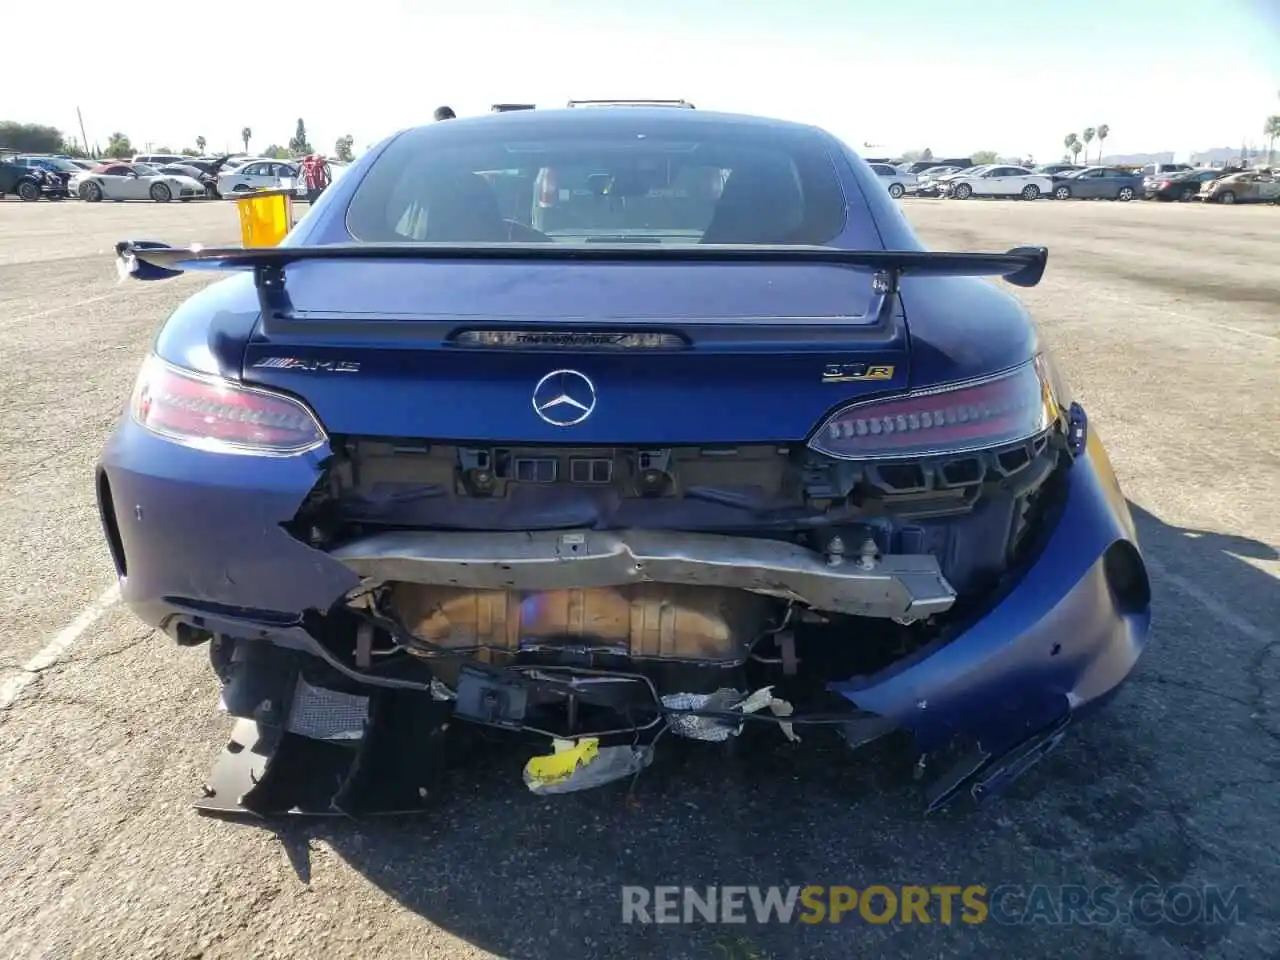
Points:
(310, 366)
(853, 372)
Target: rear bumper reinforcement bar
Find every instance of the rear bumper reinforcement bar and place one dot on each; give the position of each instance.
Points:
(897, 585)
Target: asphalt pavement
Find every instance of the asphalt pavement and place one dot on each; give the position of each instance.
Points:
(1167, 321)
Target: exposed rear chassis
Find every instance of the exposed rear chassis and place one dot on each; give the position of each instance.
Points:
(898, 585)
(1062, 639)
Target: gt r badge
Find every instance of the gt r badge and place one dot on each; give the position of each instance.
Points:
(564, 398)
(852, 372)
(311, 366)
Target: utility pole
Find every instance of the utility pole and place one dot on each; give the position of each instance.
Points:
(83, 137)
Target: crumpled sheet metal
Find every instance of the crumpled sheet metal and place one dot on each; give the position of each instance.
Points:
(714, 729)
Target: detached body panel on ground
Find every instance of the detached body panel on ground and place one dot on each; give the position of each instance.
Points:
(596, 424)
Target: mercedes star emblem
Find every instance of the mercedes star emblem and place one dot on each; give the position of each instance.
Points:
(564, 398)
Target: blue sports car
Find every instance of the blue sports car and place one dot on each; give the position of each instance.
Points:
(606, 427)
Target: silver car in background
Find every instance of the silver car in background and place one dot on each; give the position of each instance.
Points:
(927, 180)
(896, 181)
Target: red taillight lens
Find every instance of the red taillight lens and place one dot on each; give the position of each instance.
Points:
(1012, 406)
(216, 414)
(1165, 184)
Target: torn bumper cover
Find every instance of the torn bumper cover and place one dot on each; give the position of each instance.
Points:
(1056, 643)
(871, 586)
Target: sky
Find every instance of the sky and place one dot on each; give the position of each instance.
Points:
(955, 76)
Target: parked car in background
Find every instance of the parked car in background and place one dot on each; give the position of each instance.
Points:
(940, 183)
(920, 166)
(1183, 186)
(181, 170)
(256, 175)
(134, 181)
(998, 180)
(210, 169)
(927, 180)
(1097, 183)
(1249, 186)
(1053, 169)
(209, 181)
(58, 172)
(1163, 169)
(896, 181)
(158, 159)
(28, 183)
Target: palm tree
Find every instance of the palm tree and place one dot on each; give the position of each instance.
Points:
(245, 135)
(1088, 136)
(201, 142)
(1072, 142)
(1271, 130)
(1103, 132)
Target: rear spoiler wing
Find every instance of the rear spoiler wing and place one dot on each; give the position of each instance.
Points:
(149, 260)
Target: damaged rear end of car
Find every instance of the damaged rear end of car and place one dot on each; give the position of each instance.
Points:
(611, 483)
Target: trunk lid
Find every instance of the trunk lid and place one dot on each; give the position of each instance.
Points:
(761, 353)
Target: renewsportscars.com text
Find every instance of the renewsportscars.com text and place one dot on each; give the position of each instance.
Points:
(1008, 904)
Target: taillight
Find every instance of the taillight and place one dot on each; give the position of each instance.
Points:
(1165, 183)
(216, 414)
(957, 418)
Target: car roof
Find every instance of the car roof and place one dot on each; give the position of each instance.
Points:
(570, 119)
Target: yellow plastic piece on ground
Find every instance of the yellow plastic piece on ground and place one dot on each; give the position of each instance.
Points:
(265, 217)
(559, 766)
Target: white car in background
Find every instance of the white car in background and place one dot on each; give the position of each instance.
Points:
(896, 181)
(257, 175)
(927, 180)
(998, 180)
(132, 181)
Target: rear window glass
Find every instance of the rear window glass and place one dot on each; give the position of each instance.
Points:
(606, 183)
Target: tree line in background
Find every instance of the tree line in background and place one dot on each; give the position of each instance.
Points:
(40, 139)
(1271, 130)
(979, 157)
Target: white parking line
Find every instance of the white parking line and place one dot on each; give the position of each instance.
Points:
(63, 641)
(134, 287)
(1220, 610)
(1185, 316)
(66, 306)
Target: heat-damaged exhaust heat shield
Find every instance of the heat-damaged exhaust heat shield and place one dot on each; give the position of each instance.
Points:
(869, 585)
(643, 621)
